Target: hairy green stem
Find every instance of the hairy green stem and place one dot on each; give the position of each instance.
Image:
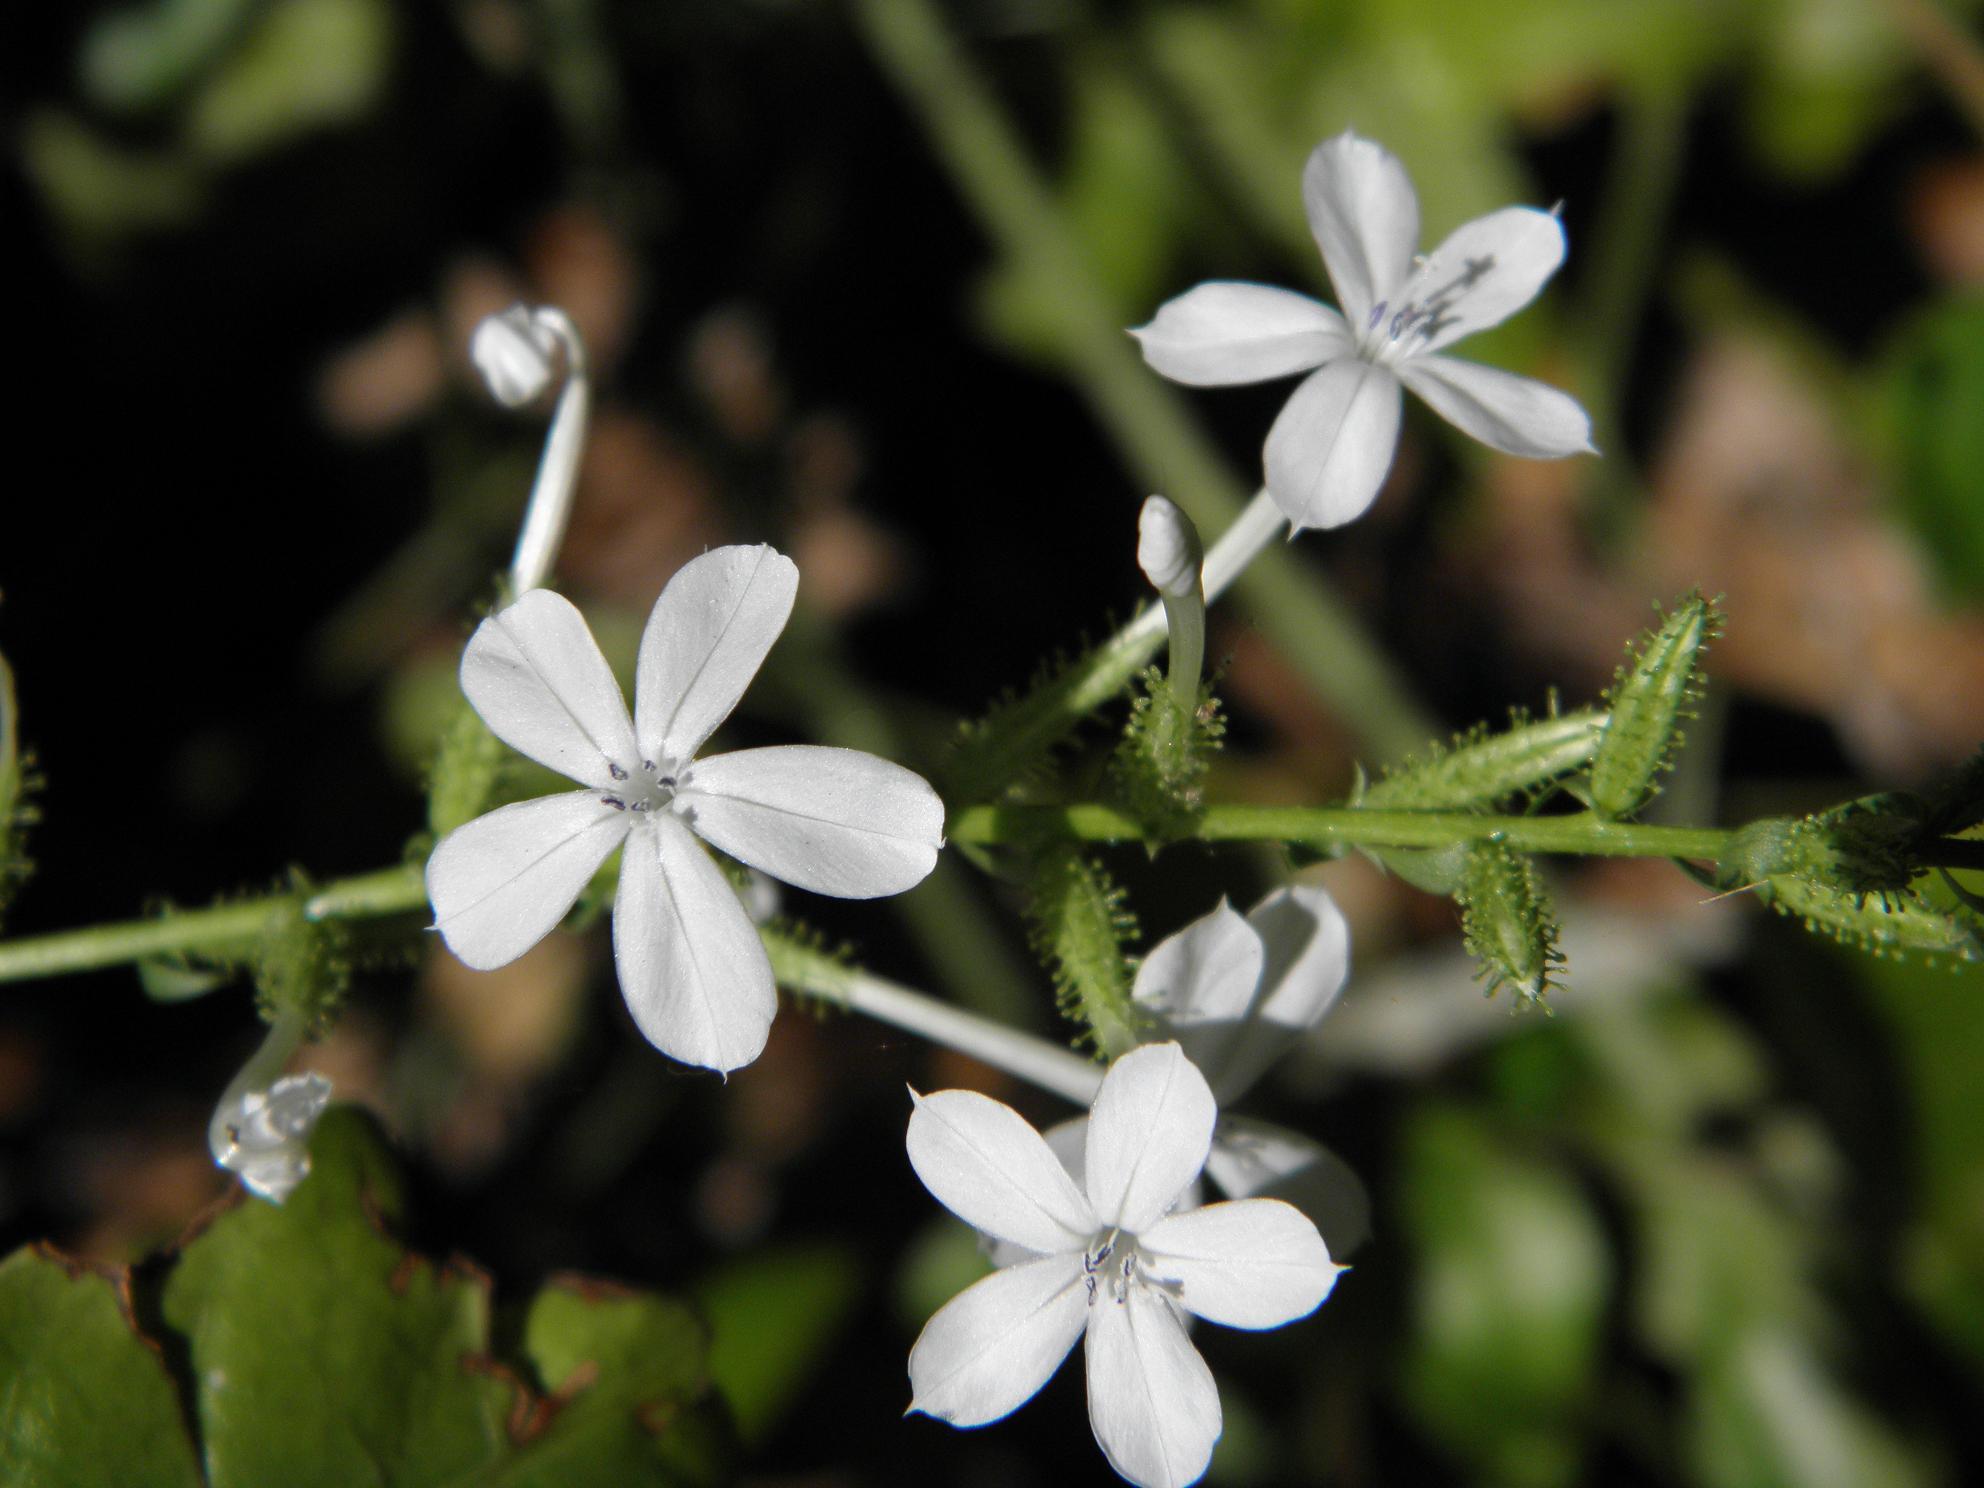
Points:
(1306, 621)
(223, 929)
(234, 928)
(1345, 826)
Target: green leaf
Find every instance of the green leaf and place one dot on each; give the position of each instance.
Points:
(324, 1352)
(622, 1368)
(85, 1399)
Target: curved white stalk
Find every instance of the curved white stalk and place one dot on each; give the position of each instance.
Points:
(1022, 1055)
(517, 353)
(261, 1128)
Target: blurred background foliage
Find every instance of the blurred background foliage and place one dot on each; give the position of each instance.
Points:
(856, 276)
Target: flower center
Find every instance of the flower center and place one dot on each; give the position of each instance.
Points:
(650, 788)
(1112, 1265)
(1391, 334)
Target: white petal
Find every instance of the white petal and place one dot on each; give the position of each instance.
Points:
(1517, 415)
(1482, 274)
(1365, 218)
(1328, 452)
(499, 883)
(1307, 945)
(835, 821)
(705, 640)
(1226, 332)
(1256, 1159)
(1068, 1141)
(534, 673)
(1202, 983)
(1148, 1134)
(991, 1347)
(693, 971)
(983, 1162)
(1252, 1263)
(1152, 1402)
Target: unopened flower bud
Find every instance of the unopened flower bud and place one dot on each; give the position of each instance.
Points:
(263, 1136)
(516, 355)
(1168, 548)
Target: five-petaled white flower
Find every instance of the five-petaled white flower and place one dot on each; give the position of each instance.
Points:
(263, 1136)
(1235, 992)
(693, 970)
(1328, 452)
(1110, 1260)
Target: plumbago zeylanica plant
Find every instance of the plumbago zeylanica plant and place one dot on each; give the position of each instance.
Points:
(317, 1348)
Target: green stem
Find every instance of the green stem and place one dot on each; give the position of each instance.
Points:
(1346, 826)
(1306, 621)
(223, 929)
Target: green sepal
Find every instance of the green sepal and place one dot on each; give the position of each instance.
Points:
(1159, 766)
(1651, 697)
(179, 978)
(1894, 924)
(468, 772)
(1432, 870)
(1082, 930)
(302, 965)
(1506, 922)
(1874, 848)
(1480, 769)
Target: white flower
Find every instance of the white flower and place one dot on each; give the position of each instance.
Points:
(264, 1135)
(1110, 1261)
(834, 821)
(1235, 992)
(1328, 452)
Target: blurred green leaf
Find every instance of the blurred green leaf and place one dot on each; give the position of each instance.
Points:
(1931, 391)
(1766, 1415)
(306, 65)
(1121, 170)
(941, 1261)
(1514, 1276)
(101, 192)
(1937, 1023)
(141, 57)
(85, 1399)
(1826, 76)
(773, 1316)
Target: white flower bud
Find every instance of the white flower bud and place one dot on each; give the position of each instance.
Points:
(1168, 548)
(516, 355)
(264, 1135)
